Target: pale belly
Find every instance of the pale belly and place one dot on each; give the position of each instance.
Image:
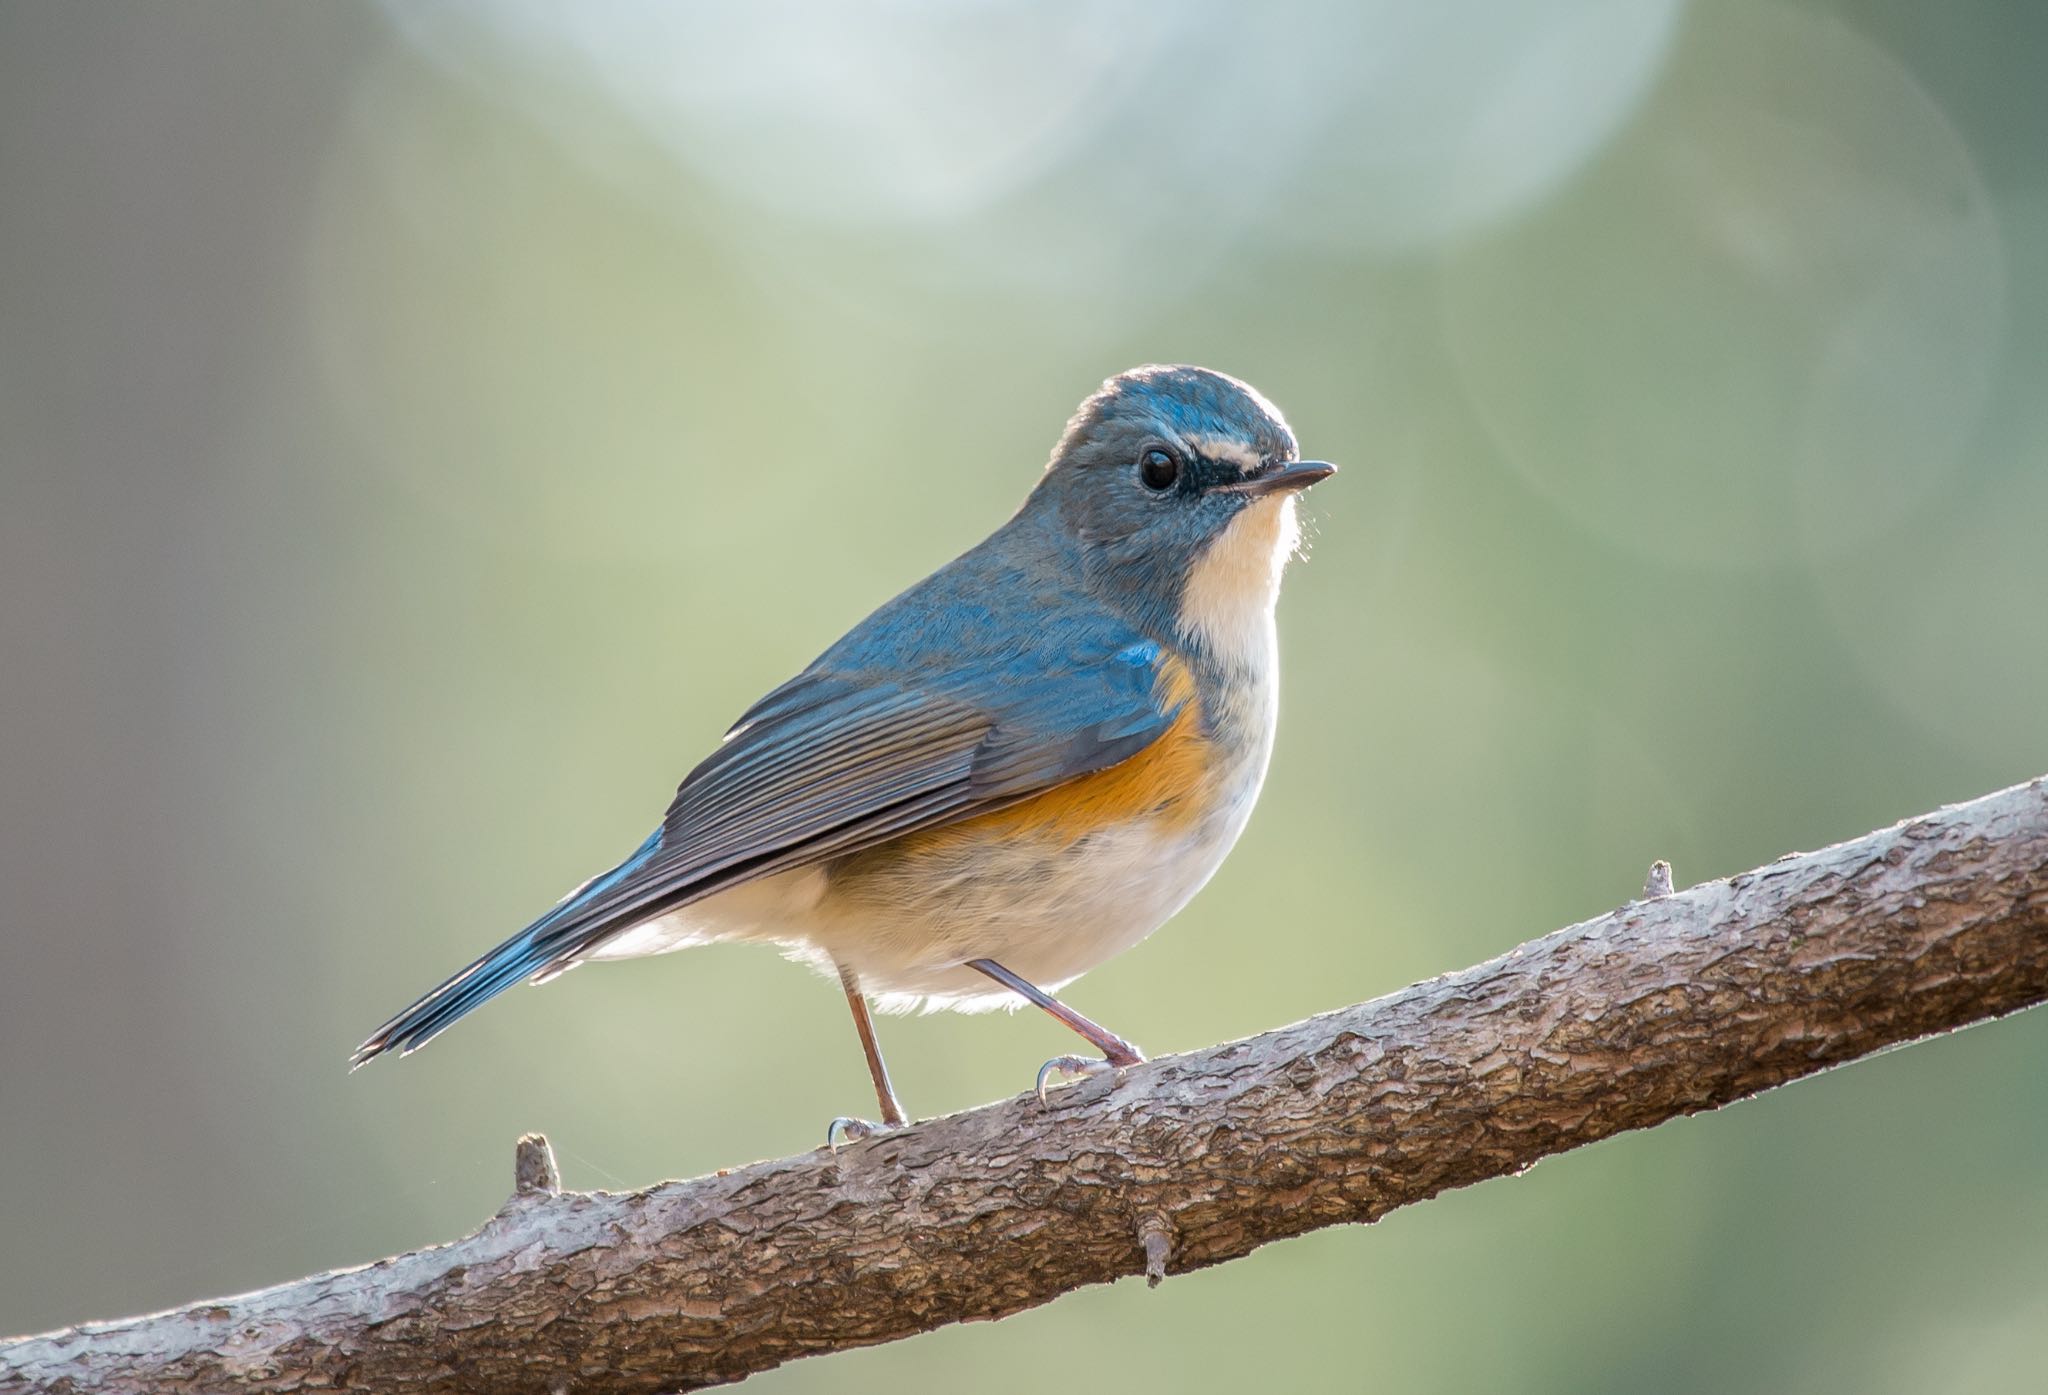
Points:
(907, 924)
(1047, 913)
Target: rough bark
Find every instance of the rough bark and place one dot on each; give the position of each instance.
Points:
(1670, 1005)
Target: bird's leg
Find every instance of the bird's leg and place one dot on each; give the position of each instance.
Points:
(1117, 1052)
(892, 1112)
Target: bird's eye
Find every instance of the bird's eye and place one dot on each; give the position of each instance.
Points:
(1159, 469)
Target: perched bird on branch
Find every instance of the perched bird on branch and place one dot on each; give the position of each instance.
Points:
(1018, 768)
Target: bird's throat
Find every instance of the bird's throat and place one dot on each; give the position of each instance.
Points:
(1226, 606)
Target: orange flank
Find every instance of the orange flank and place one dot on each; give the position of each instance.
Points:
(1167, 780)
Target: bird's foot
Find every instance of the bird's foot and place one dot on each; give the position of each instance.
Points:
(1067, 1070)
(846, 1129)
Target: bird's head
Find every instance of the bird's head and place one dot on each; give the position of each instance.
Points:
(1178, 485)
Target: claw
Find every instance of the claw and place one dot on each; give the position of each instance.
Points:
(1068, 1069)
(847, 1129)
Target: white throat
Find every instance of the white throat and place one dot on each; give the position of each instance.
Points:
(1235, 583)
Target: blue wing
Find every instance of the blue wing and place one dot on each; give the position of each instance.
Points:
(876, 739)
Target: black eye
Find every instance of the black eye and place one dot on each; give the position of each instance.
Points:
(1159, 469)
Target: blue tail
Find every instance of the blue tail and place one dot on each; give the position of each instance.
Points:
(550, 943)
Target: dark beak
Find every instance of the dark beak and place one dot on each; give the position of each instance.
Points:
(1281, 479)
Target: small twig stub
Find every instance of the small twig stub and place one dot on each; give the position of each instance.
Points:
(533, 1167)
(1155, 1233)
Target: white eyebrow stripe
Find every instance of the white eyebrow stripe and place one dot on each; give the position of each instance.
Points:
(1223, 448)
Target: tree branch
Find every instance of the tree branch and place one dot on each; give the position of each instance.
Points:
(1670, 1005)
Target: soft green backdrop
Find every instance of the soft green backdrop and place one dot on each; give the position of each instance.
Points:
(422, 429)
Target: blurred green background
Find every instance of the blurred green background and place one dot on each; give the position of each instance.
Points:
(422, 429)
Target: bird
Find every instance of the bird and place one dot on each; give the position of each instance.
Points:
(1013, 771)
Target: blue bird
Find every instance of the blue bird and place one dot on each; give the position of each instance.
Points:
(1020, 767)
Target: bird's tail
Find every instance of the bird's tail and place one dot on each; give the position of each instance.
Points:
(544, 948)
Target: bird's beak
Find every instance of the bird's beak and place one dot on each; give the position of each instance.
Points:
(1284, 479)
